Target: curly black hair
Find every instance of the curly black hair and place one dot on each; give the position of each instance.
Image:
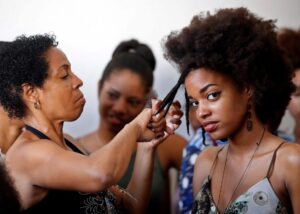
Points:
(242, 46)
(23, 61)
(289, 41)
(133, 55)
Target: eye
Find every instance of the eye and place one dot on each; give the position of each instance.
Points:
(193, 103)
(134, 102)
(112, 95)
(213, 96)
(65, 76)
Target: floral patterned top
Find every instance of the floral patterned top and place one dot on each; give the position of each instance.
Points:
(260, 198)
(189, 156)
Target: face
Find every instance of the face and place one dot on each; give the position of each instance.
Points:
(121, 98)
(193, 119)
(220, 107)
(294, 105)
(60, 96)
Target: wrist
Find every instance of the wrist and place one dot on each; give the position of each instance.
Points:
(134, 129)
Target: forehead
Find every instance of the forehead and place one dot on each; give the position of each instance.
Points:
(56, 58)
(202, 77)
(125, 80)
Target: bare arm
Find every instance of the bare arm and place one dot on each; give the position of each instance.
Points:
(202, 167)
(43, 163)
(141, 181)
(292, 175)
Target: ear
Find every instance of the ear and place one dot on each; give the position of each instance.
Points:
(249, 92)
(29, 93)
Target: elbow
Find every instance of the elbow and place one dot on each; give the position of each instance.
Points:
(101, 181)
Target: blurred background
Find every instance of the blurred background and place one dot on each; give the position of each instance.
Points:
(89, 30)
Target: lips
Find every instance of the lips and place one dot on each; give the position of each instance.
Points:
(81, 100)
(115, 121)
(210, 126)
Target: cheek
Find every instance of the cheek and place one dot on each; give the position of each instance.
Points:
(104, 107)
(134, 112)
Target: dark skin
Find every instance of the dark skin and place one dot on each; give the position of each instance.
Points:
(36, 164)
(214, 95)
(121, 97)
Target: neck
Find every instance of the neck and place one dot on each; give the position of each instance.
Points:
(104, 135)
(244, 141)
(53, 129)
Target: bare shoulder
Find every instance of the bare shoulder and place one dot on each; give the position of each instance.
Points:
(26, 154)
(203, 166)
(289, 155)
(207, 156)
(173, 140)
(170, 151)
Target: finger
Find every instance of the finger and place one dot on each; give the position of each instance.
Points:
(155, 104)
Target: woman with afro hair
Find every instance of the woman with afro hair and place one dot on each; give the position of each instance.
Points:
(238, 81)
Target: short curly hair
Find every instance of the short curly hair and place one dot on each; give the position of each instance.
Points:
(242, 46)
(289, 41)
(23, 61)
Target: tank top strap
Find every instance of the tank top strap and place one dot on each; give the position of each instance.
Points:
(72, 146)
(271, 167)
(36, 132)
(212, 169)
(41, 135)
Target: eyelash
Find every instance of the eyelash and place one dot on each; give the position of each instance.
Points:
(215, 94)
(195, 103)
(65, 76)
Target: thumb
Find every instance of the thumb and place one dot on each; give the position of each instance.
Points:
(155, 104)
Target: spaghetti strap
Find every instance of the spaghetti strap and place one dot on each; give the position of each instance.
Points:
(43, 136)
(36, 132)
(73, 147)
(212, 169)
(271, 167)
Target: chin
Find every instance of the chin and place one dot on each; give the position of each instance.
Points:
(74, 116)
(116, 129)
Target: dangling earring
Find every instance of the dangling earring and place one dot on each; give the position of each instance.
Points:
(37, 104)
(249, 123)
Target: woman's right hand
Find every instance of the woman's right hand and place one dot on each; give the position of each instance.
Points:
(155, 126)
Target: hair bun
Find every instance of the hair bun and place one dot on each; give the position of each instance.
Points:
(133, 46)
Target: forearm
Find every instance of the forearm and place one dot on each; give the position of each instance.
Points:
(113, 158)
(141, 181)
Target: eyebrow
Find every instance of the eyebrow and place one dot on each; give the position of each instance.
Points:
(202, 90)
(66, 65)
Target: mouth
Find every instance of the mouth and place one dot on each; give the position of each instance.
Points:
(81, 100)
(115, 120)
(210, 126)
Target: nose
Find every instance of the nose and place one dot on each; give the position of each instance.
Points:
(77, 83)
(119, 106)
(202, 111)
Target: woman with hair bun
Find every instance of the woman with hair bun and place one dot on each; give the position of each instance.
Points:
(124, 90)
